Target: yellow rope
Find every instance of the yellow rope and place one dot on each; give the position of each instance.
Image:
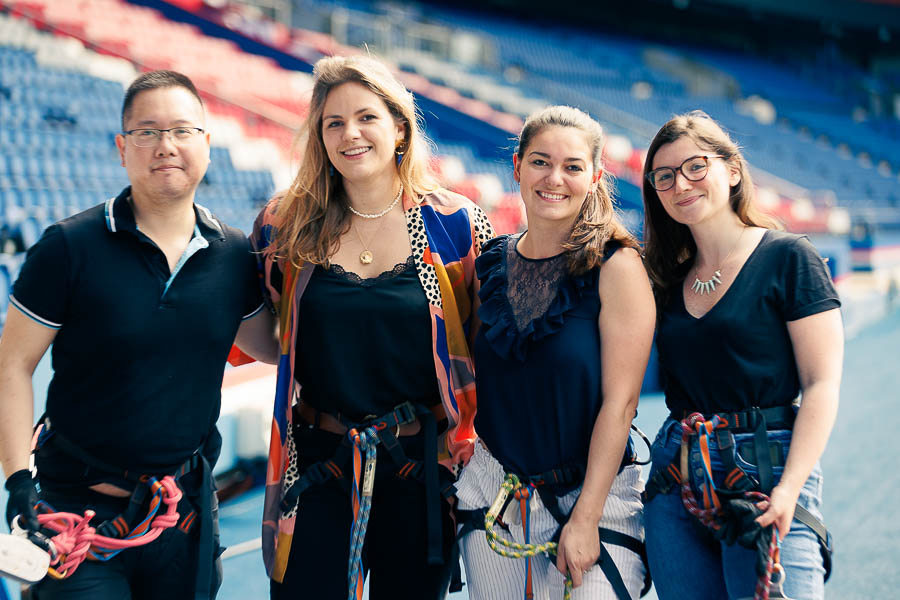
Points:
(516, 550)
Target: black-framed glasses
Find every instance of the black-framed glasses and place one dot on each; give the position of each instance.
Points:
(694, 168)
(147, 137)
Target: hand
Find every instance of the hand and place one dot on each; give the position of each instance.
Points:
(739, 522)
(779, 510)
(22, 498)
(579, 547)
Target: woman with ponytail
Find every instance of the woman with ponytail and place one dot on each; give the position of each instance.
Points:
(567, 322)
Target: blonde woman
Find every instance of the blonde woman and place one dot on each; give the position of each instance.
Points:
(370, 269)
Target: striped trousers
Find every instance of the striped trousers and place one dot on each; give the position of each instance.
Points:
(490, 576)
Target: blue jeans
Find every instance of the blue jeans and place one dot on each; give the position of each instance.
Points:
(687, 562)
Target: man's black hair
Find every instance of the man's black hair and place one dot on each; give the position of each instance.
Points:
(155, 80)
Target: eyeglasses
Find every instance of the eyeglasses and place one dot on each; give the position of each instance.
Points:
(145, 138)
(693, 169)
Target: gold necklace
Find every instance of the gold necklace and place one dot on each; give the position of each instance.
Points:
(709, 286)
(366, 257)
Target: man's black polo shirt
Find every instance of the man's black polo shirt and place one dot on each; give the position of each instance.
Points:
(137, 364)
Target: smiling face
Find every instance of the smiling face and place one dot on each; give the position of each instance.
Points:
(555, 173)
(167, 170)
(693, 202)
(359, 132)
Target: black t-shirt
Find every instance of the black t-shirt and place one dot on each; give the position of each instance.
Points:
(139, 356)
(364, 345)
(739, 355)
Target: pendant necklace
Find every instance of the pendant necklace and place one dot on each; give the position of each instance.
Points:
(366, 256)
(709, 286)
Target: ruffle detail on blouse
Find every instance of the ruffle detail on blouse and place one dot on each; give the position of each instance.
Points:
(498, 324)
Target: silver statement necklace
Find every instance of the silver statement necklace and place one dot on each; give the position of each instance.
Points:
(382, 213)
(709, 286)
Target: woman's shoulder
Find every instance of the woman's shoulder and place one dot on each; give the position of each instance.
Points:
(492, 257)
(269, 213)
(266, 225)
(782, 245)
(775, 239)
(443, 200)
(621, 258)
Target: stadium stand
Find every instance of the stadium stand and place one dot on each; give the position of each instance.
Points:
(57, 154)
(799, 147)
(57, 111)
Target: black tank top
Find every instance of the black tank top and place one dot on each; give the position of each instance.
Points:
(365, 345)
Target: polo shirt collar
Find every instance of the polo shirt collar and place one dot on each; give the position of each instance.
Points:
(120, 217)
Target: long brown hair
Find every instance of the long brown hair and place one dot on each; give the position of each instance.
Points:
(597, 222)
(669, 247)
(313, 211)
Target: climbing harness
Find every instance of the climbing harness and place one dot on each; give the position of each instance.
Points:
(509, 549)
(522, 490)
(738, 484)
(358, 447)
(76, 540)
(711, 514)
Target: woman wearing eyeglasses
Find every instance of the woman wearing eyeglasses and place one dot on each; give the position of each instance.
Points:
(747, 319)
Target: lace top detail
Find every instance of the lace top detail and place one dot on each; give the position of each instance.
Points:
(528, 304)
(398, 269)
(531, 283)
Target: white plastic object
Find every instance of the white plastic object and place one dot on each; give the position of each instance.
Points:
(20, 559)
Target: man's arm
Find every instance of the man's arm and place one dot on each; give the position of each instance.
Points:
(258, 337)
(22, 345)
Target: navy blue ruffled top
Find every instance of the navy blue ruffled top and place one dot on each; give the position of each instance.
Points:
(539, 380)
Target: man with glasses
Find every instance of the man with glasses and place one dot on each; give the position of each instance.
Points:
(141, 297)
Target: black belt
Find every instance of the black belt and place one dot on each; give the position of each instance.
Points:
(745, 421)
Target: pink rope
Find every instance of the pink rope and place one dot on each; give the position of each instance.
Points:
(75, 537)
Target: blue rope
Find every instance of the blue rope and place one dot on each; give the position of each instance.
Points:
(366, 441)
(108, 554)
(708, 482)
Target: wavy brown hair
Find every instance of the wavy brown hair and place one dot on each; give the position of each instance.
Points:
(669, 247)
(313, 211)
(597, 222)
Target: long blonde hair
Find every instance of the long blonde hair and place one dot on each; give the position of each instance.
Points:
(669, 246)
(597, 222)
(313, 211)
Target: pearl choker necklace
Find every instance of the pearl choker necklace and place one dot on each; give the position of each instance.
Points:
(382, 213)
